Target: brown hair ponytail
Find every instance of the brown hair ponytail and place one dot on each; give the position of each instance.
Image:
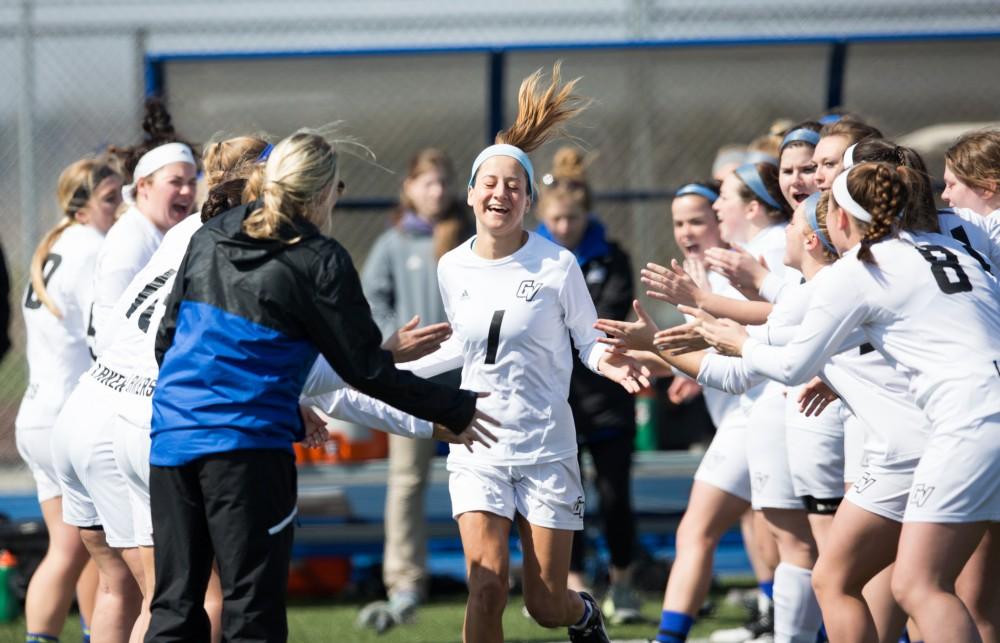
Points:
(541, 112)
(881, 190)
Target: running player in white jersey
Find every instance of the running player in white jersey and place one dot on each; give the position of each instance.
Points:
(56, 308)
(514, 301)
(972, 173)
(160, 196)
(906, 295)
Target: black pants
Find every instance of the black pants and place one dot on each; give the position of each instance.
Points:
(613, 466)
(237, 508)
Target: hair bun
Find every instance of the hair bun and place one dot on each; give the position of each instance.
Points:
(569, 162)
(157, 122)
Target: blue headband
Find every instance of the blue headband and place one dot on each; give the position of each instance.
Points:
(264, 153)
(503, 149)
(829, 118)
(801, 134)
(700, 190)
(751, 177)
(810, 210)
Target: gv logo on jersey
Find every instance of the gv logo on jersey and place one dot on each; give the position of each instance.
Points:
(578, 506)
(920, 494)
(528, 289)
(865, 481)
(759, 481)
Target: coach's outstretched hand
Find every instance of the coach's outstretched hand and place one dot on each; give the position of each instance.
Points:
(410, 343)
(477, 431)
(743, 271)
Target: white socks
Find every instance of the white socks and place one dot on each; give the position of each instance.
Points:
(797, 617)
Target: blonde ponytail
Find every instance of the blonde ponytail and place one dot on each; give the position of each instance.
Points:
(299, 171)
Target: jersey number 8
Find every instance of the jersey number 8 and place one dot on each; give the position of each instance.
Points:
(942, 260)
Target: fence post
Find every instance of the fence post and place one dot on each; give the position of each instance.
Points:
(25, 131)
(495, 97)
(835, 75)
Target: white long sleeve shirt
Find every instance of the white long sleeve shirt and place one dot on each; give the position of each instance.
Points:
(57, 349)
(512, 320)
(927, 306)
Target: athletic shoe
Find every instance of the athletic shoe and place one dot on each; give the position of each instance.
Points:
(403, 606)
(593, 630)
(755, 630)
(622, 605)
(376, 616)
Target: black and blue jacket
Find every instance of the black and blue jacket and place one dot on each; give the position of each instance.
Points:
(244, 324)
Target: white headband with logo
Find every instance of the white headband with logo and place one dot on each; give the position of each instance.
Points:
(152, 161)
(846, 201)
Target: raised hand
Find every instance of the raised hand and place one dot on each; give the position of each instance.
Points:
(636, 335)
(477, 430)
(671, 285)
(625, 370)
(679, 340)
(725, 335)
(738, 266)
(410, 343)
(466, 438)
(815, 396)
(695, 268)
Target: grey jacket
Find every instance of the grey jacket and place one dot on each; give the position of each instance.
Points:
(400, 280)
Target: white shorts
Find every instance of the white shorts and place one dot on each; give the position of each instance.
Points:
(958, 478)
(855, 457)
(131, 444)
(94, 490)
(724, 465)
(767, 456)
(815, 449)
(548, 494)
(35, 448)
(883, 489)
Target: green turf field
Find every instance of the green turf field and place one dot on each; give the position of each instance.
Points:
(439, 622)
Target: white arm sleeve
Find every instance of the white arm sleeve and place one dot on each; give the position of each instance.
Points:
(772, 287)
(729, 374)
(350, 405)
(446, 358)
(836, 309)
(580, 315)
(322, 379)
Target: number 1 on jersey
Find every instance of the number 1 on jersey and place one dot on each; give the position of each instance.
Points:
(493, 339)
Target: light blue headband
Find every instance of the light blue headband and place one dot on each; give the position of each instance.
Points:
(700, 190)
(802, 134)
(751, 177)
(810, 210)
(829, 118)
(503, 149)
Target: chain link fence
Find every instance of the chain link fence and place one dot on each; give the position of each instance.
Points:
(672, 81)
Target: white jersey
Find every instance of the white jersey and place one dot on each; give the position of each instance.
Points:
(127, 363)
(878, 393)
(128, 246)
(980, 236)
(57, 349)
(722, 406)
(512, 319)
(927, 306)
(769, 244)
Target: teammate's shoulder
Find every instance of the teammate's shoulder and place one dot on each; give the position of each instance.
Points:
(543, 248)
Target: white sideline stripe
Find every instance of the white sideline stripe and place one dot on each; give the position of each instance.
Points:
(284, 523)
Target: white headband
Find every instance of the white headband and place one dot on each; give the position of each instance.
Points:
(152, 161)
(849, 157)
(846, 201)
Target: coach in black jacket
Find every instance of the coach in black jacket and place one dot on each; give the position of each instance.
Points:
(260, 293)
(603, 412)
